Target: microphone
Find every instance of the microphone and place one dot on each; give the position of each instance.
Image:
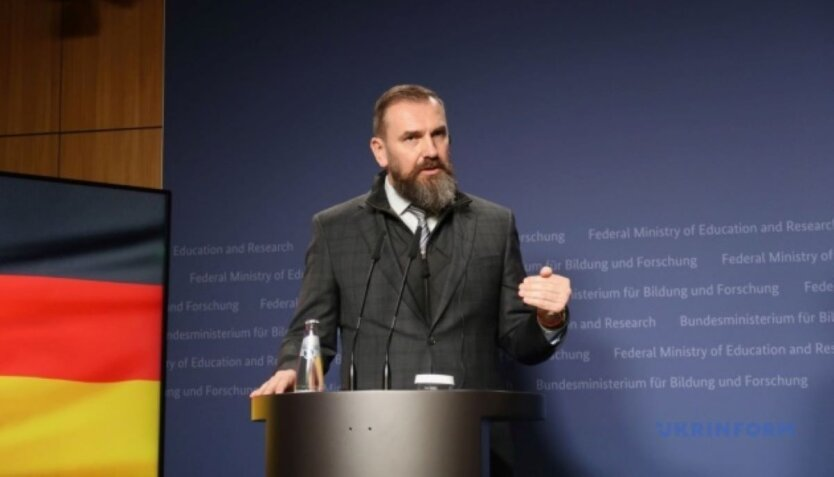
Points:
(374, 258)
(413, 251)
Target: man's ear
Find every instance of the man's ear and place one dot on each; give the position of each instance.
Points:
(379, 151)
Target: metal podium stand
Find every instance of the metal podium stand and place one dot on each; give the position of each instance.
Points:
(384, 433)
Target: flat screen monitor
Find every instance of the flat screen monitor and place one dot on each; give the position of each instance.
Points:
(83, 275)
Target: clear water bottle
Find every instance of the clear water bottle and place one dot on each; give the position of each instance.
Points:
(310, 371)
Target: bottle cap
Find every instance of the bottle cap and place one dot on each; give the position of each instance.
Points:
(434, 381)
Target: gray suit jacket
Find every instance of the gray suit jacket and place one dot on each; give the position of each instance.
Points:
(477, 310)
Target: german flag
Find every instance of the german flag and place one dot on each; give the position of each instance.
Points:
(81, 329)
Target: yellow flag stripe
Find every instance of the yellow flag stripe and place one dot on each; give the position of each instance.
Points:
(67, 428)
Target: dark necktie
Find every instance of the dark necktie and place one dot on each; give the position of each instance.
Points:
(420, 214)
(419, 275)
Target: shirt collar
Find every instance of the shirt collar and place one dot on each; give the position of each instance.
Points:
(397, 202)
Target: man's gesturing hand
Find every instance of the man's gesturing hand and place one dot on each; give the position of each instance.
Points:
(280, 382)
(549, 293)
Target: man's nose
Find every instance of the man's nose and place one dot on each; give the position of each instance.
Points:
(429, 147)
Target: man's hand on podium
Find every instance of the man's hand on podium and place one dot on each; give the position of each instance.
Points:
(280, 382)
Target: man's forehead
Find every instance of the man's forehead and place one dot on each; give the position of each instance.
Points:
(406, 113)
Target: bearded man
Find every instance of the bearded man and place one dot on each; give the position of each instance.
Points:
(466, 295)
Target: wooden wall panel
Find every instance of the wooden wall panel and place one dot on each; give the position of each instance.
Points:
(112, 65)
(30, 154)
(132, 157)
(30, 62)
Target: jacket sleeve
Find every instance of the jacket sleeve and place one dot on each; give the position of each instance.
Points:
(519, 332)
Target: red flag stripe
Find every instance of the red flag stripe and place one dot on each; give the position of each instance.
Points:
(80, 330)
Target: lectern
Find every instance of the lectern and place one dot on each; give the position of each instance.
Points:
(384, 433)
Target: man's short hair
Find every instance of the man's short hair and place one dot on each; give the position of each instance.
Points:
(401, 92)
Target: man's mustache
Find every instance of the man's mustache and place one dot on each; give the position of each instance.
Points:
(432, 163)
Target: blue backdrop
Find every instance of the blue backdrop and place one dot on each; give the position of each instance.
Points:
(674, 159)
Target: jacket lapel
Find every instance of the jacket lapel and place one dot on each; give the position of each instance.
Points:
(463, 228)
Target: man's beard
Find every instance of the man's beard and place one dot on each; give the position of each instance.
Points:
(433, 194)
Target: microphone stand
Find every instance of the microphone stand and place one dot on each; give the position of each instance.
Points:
(374, 258)
(413, 250)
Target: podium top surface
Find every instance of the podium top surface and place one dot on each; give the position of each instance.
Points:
(475, 404)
